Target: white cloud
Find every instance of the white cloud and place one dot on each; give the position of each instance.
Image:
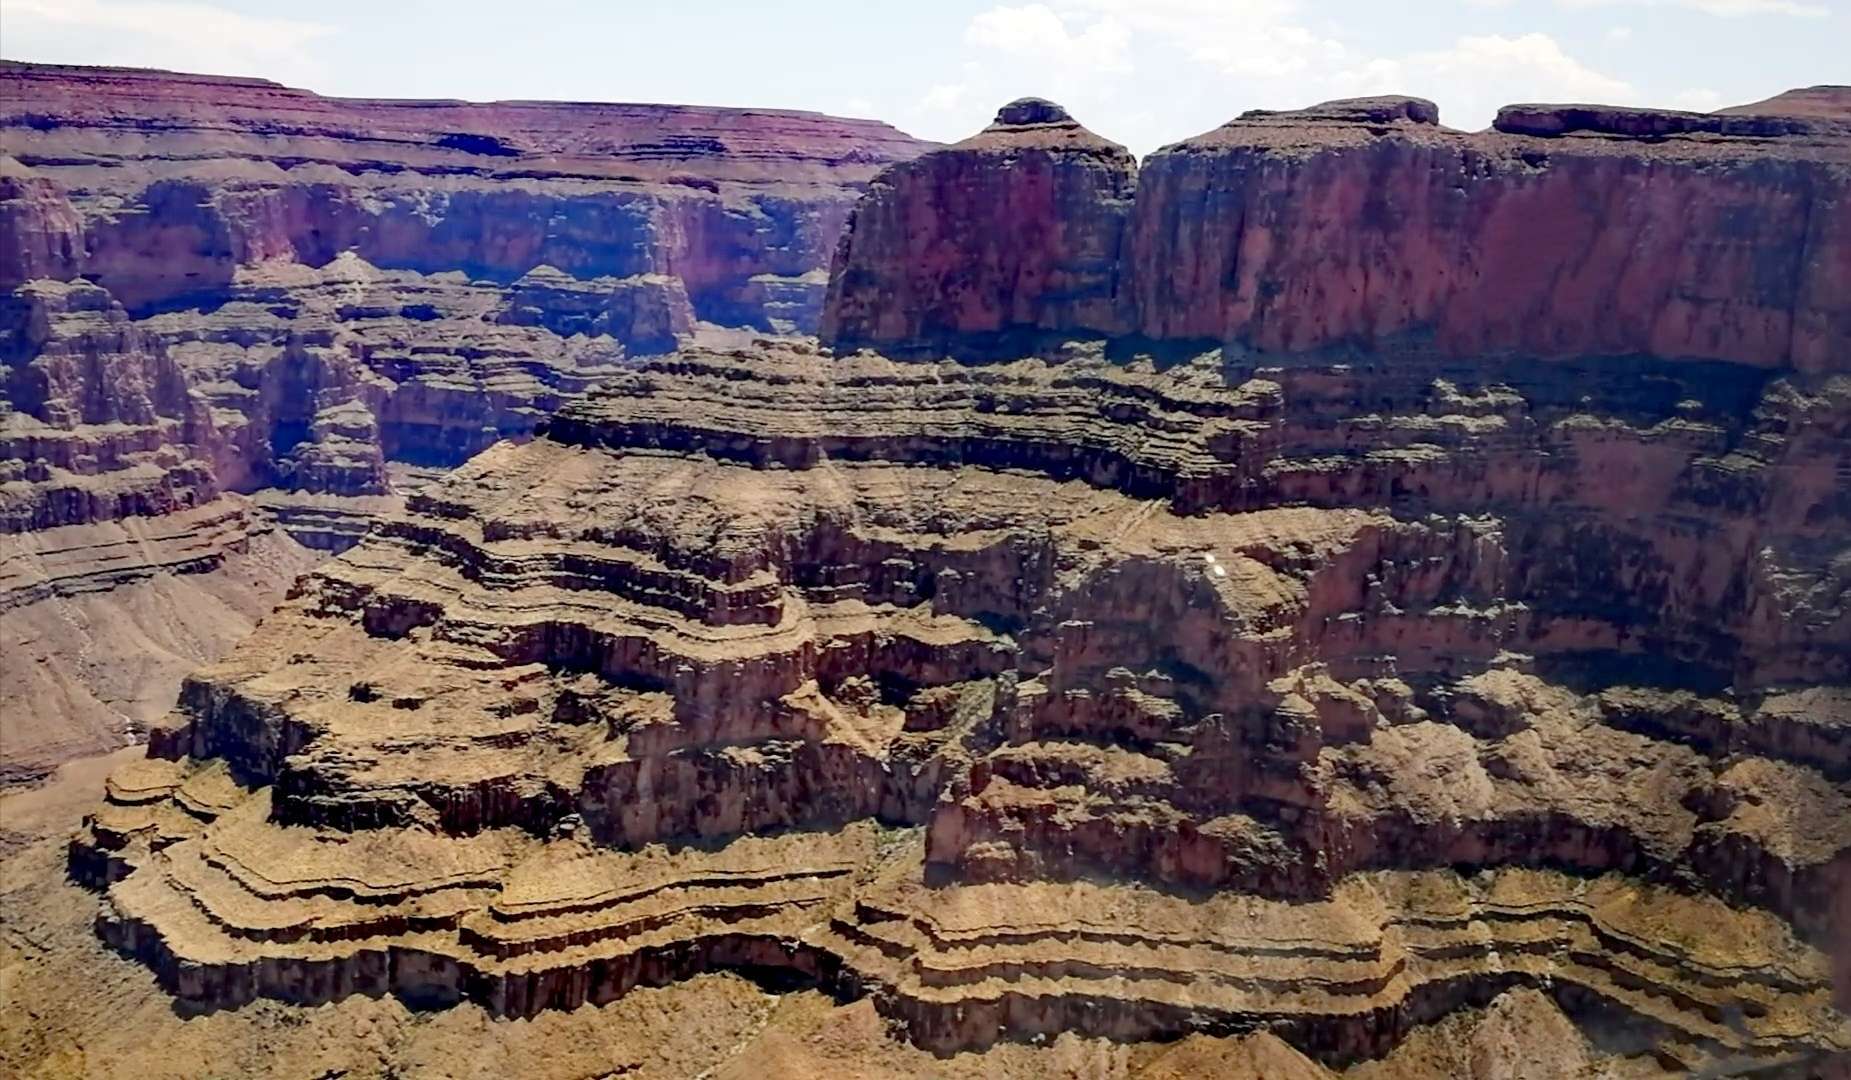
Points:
(1728, 9)
(187, 36)
(1697, 99)
(944, 97)
(1244, 38)
(1479, 73)
(1207, 60)
(1279, 51)
(1082, 59)
(1036, 32)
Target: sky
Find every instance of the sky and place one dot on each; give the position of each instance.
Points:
(1141, 72)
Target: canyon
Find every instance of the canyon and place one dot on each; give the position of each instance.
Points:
(240, 321)
(1340, 594)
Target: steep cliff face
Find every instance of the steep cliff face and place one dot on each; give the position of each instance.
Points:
(1015, 230)
(222, 173)
(1107, 688)
(99, 422)
(1364, 225)
(40, 232)
(1561, 233)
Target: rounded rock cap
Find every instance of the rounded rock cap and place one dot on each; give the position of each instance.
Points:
(1385, 109)
(1032, 110)
(1036, 123)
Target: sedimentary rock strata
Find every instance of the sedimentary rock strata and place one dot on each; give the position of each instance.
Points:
(232, 172)
(1018, 228)
(213, 286)
(1128, 688)
(296, 291)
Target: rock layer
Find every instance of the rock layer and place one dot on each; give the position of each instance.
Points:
(1119, 689)
(1017, 229)
(162, 166)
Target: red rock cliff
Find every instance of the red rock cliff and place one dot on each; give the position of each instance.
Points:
(228, 172)
(1450, 673)
(1017, 228)
(1565, 231)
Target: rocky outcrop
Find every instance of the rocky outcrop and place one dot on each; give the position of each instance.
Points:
(1561, 233)
(40, 231)
(1131, 689)
(1013, 231)
(98, 422)
(1818, 102)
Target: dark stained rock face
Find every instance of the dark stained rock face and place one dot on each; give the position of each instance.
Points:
(1337, 574)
